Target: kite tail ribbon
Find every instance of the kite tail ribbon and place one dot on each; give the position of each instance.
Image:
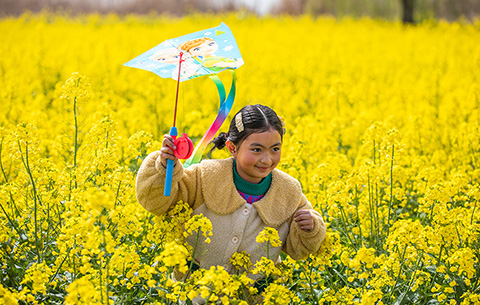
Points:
(225, 107)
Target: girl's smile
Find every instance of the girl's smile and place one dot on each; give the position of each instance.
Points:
(257, 155)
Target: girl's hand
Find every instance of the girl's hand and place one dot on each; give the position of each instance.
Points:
(167, 150)
(304, 219)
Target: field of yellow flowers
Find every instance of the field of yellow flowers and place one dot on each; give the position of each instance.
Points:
(383, 131)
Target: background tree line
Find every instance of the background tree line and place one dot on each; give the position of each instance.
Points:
(409, 11)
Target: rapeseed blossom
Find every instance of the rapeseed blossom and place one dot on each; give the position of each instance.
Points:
(384, 143)
(241, 261)
(269, 235)
(174, 255)
(278, 294)
(199, 223)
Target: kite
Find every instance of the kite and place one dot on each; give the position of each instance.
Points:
(203, 53)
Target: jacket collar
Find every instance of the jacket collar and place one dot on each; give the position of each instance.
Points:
(221, 197)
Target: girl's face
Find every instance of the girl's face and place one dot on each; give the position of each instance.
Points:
(257, 155)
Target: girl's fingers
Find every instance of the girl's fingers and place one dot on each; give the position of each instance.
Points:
(306, 226)
(304, 219)
(305, 223)
(302, 214)
(168, 141)
(166, 152)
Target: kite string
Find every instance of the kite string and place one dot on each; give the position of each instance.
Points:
(178, 85)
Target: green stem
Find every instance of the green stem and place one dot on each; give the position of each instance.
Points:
(412, 280)
(391, 190)
(1, 164)
(310, 284)
(358, 217)
(370, 206)
(26, 164)
(118, 193)
(75, 147)
(345, 221)
(10, 221)
(15, 210)
(192, 261)
(377, 220)
(193, 255)
(398, 276)
(75, 144)
(106, 264)
(11, 271)
(74, 275)
(60, 266)
(432, 282)
(473, 212)
(101, 285)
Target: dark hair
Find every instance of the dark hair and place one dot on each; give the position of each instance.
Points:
(253, 119)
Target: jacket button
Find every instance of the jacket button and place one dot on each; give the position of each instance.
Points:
(235, 240)
(246, 211)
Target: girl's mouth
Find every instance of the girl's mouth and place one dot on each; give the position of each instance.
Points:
(263, 169)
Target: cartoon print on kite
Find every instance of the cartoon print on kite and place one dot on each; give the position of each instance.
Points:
(171, 56)
(203, 51)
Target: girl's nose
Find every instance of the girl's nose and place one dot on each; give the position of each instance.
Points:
(266, 159)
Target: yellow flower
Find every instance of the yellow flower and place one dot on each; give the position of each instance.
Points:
(269, 235)
(82, 291)
(392, 164)
(241, 261)
(77, 87)
(267, 267)
(198, 223)
(174, 255)
(37, 277)
(441, 297)
(465, 260)
(278, 294)
(8, 297)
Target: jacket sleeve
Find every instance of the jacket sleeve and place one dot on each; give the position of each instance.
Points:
(150, 185)
(300, 243)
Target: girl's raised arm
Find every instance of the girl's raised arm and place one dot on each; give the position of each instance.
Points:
(150, 184)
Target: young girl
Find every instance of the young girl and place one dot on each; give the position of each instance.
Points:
(240, 195)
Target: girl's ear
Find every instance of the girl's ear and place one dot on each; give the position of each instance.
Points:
(231, 148)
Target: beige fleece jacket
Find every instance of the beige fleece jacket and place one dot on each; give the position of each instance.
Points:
(209, 189)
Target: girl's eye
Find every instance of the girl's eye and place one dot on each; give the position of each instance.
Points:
(256, 149)
(211, 43)
(196, 49)
(276, 149)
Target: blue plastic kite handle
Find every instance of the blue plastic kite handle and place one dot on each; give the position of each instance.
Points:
(170, 163)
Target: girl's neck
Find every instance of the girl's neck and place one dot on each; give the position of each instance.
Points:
(248, 187)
